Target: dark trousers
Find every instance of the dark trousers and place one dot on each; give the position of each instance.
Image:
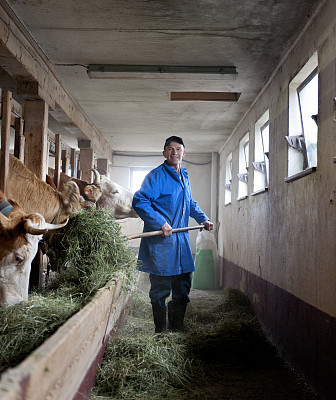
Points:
(162, 286)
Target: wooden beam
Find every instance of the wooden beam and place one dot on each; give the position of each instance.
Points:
(102, 166)
(204, 96)
(65, 162)
(36, 137)
(86, 163)
(5, 139)
(25, 59)
(58, 149)
(19, 139)
(73, 162)
(16, 109)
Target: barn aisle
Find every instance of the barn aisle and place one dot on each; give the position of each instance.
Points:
(224, 355)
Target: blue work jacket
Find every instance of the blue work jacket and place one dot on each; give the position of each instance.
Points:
(165, 197)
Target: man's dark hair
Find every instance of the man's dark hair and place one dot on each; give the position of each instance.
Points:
(173, 139)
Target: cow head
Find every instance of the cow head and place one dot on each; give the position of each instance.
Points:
(19, 237)
(115, 198)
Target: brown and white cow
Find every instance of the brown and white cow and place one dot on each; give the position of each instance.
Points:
(35, 195)
(89, 191)
(19, 236)
(114, 198)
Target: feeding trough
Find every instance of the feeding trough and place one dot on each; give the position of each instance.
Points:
(97, 272)
(64, 366)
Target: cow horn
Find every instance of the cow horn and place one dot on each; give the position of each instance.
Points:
(34, 230)
(97, 176)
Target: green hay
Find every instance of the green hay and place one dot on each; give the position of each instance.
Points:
(90, 252)
(144, 367)
(219, 358)
(25, 326)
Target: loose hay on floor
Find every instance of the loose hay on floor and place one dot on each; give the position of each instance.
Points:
(223, 356)
(90, 251)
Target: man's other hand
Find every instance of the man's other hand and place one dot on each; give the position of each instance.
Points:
(208, 225)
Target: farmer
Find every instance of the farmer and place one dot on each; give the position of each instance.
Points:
(164, 202)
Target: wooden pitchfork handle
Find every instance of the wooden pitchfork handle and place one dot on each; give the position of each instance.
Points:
(157, 233)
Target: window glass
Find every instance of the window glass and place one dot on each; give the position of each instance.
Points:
(228, 178)
(303, 117)
(137, 176)
(261, 153)
(243, 166)
(308, 98)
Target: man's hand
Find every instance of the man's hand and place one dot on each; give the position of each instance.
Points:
(208, 225)
(167, 229)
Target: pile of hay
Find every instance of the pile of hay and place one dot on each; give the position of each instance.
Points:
(25, 326)
(89, 251)
(140, 365)
(219, 358)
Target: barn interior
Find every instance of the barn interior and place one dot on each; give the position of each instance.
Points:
(251, 88)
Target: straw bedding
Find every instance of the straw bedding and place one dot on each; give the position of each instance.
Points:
(223, 356)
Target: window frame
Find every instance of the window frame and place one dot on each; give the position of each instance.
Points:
(297, 153)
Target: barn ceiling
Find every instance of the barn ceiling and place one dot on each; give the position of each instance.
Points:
(135, 113)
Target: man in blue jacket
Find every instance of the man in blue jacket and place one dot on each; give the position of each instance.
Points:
(164, 202)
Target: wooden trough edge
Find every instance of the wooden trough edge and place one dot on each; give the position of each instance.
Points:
(64, 366)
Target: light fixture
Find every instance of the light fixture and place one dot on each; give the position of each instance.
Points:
(204, 96)
(120, 71)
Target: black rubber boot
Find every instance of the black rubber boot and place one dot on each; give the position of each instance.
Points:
(176, 314)
(159, 316)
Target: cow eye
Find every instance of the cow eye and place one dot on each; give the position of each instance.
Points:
(19, 259)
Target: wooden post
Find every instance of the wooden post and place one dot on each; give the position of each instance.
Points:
(65, 162)
(19, 139)
(36, 137)
(58, 149)
(102, 166)
(5, 139)
(86, 163)
(73, 162)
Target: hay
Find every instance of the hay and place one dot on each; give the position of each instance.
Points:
(89, 252)
(219, 358)
(25, 326)
(144, 367)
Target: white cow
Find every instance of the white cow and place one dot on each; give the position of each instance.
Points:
(19, 236)
(114, 198)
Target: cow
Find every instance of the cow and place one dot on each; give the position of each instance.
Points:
(89, 192)
(35, 195)
(114, 197)
(20, 233)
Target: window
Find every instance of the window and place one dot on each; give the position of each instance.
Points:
(228, 178)
(137, 175)
(244, 149)
(303, 119)
(261, 154)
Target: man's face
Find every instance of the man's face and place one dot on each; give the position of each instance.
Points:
(174, 154)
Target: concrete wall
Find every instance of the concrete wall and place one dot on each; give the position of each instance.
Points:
(279, 246)
(199, 170)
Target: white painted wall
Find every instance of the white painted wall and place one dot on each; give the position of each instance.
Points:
(287, 235)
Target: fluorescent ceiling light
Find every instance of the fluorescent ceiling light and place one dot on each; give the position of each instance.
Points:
(204, 96)
(118, 71)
